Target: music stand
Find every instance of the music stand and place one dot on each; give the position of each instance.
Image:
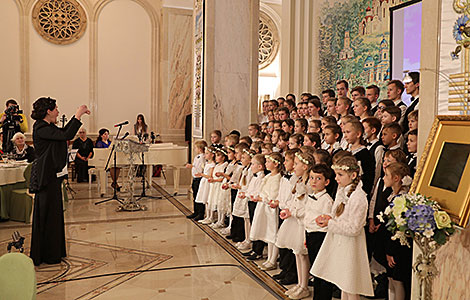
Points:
(113, 152)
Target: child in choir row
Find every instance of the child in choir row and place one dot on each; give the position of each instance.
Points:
(399, 257)
(318, 203)
(265, 220)
(215, 184)
(240, 206)
(203, 192)
(197, 168)
(342, 259)
(257, 168)
(292, 232)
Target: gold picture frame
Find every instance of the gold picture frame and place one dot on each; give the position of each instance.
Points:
(443, 172)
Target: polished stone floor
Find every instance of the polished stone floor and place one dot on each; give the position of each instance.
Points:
(153, 254)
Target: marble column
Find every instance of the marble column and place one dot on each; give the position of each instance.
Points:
(299, 46)
(230, 65)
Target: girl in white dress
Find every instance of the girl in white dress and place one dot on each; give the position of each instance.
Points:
(209, 155)
(342, 258)
(265, 220)
(223, 200)
(292, 232)
(215, 183)
(240, 206)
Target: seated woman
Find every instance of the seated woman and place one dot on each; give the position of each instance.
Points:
(85, 152)
(103, 141)
(140, 128)
(21, 150)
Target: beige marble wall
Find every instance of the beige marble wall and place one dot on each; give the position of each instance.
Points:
(299, 44)
(453, 264)
(231, 65)
(176, 71)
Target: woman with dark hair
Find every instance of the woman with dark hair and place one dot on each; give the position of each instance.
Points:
(49, 168)
(84, 153)
(103, 141)
(140, 128)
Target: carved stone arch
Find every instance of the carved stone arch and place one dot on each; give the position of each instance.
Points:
(155, 66)
(154, 19)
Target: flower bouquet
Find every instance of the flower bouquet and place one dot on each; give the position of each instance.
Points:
(414, 215)
(422, 219)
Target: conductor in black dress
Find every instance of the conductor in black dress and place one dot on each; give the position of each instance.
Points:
(50, 142)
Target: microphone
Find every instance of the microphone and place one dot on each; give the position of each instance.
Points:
(122, 123)
(152, 135)
(125, 135)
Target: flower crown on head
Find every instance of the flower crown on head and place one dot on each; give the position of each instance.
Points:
(344, 168)
(248, 152)
(303, 160)
(222, 151)
(273, 159)
(231, 148)
(210, 150)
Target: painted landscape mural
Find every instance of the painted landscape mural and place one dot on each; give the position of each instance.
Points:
(354, 42)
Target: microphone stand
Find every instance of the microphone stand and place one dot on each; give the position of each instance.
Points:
(113, 152)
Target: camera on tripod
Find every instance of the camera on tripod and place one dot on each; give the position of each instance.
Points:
(12, 114)
(10, 126)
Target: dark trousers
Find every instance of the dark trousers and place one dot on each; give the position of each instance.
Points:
(322, 289)
(237, 231)
(81, 167)
(195, 188)
(258, 246)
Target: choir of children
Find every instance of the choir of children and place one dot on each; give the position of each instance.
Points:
(305, 187)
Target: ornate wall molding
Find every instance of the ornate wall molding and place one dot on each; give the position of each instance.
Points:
(268, 40)
(60, 22)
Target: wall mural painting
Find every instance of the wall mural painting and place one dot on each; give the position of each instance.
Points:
(198, 68)
(354, 42)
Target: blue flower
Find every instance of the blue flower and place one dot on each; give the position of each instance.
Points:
(459, 27)
(454, 55)
(420, 218)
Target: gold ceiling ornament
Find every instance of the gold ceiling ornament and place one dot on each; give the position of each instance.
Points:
(60, 22)
(268, 41)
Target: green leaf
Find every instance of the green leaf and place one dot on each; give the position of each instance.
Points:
(440, 237)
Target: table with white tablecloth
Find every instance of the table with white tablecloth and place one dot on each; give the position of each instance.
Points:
(11, 178)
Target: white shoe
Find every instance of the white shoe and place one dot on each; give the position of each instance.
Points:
(217, 225)
(238, 244)
(291, 290)
(206, 221)
(244, 246)
(300, 293)
(268, 266)
(225, 231)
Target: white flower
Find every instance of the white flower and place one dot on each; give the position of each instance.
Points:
(400, 221)
(428, 233)
(388, 210)
(380, 217)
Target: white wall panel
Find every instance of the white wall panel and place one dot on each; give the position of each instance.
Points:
(124, 64)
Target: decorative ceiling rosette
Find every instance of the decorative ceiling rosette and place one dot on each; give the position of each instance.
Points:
(60, 22)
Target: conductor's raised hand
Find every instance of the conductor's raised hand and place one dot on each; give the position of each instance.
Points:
(83, 109)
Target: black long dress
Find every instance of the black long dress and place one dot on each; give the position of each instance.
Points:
(84, 149)
(48, 232)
